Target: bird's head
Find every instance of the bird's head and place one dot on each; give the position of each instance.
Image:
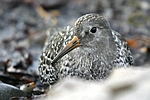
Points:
(90, 31)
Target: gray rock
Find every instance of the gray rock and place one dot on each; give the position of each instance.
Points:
(7, 91)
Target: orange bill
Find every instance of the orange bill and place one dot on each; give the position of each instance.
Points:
(74, 43)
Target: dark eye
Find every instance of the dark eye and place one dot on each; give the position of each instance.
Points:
(93, 30)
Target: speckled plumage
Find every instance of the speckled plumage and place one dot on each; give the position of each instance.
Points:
(101, 49)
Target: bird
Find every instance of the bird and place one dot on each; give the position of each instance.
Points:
(89, 49)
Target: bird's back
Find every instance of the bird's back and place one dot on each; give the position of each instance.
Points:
(124, 57)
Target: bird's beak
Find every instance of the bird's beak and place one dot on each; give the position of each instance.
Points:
(74, 43)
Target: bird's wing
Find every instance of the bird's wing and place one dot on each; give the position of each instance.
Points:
(58, 41)
(53, 45)
(50, 33)
(124, 57)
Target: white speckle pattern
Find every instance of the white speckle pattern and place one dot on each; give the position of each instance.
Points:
(124, 57)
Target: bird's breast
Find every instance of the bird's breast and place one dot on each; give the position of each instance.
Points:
(85, 63)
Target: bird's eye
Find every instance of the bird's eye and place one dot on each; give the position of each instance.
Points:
(93, 30)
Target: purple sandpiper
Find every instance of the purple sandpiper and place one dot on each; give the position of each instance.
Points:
(90, 50)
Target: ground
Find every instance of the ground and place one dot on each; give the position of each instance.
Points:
(24, 23)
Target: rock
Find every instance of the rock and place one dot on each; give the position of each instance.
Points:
(122, 84)
(7, 91)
